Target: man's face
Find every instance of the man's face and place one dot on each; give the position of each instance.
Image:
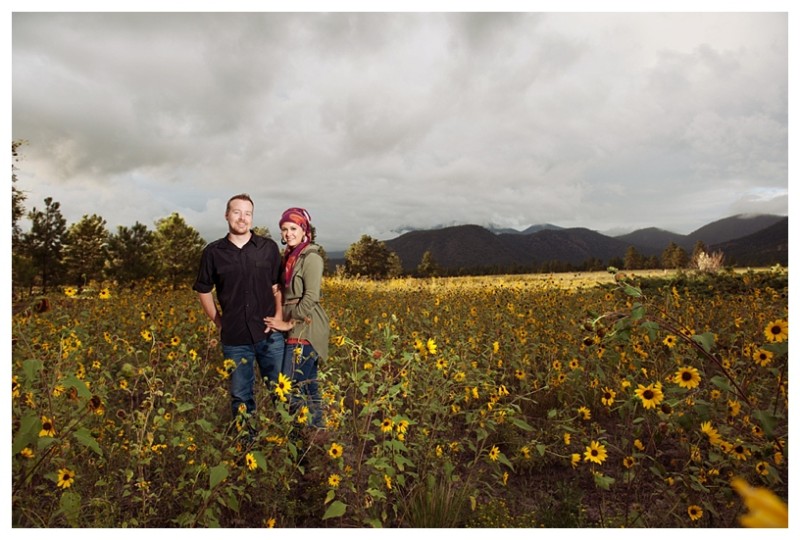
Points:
(239, 216)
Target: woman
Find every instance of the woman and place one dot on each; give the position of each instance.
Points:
(303, 317)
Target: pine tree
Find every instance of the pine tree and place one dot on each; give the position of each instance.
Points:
(44, 243)
(674, 256)
(633, 259)
(131, 254)
(23, 271)
(372, 259)
(178, 248)
(427, 266)
(84, 253)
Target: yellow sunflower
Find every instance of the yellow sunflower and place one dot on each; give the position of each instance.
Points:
(283, 386)
(334, 480)
(688, 377)
(65, 478)
(595, 453)
(430, 345)
(670, 341)
(777, 331)
(585, 413)
(713, 435)
(765, 509)
(48, 428)
(608, 397)
(695, 512)
(651, 395)
(762, 357)
(335, 451)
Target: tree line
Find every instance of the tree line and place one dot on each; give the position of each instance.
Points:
(53, 253)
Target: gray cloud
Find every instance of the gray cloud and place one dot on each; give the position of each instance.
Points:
(380, 121)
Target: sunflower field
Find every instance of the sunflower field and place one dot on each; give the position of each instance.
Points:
(505, 401)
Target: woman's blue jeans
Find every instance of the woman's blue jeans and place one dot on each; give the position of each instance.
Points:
(268, 354)
(301, 365)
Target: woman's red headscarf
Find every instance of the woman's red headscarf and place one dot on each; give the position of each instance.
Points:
(300, 217)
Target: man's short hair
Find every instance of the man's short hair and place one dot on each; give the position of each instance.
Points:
(241, 197)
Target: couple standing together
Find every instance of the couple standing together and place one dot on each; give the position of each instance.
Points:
(270, 313)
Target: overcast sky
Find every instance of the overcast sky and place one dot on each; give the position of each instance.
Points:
(380, 122)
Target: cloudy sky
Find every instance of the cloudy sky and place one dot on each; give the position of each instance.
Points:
(380, 122)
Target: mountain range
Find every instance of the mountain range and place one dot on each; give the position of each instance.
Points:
(745, 241)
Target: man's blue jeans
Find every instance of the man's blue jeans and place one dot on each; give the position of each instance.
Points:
(301, 366)
(268, 353)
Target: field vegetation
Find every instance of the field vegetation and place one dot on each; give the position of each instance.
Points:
(561, 400)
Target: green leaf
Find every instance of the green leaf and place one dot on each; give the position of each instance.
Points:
(205, 425)
(330, 496)
(637, 312)
(632, 291)
(504, 460)
(541, 448)
(721, 382)
(183, 407)
(652, 329)
(778, 349)
(73, 382)
(768, 422)
(402, 462)
(29, 427)
(70, 505)
(261, 461)
(84, 436)
(32, 369)
(705, 340)
(217, 475)
(603, 482)
(520, 423)
(336, 509)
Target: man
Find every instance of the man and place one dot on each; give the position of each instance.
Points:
(245, 270)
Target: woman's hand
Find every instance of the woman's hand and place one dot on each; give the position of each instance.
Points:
(274, 323)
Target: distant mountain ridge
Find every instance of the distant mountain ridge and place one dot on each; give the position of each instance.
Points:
(746, 240)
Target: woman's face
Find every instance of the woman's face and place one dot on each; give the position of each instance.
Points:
(292, 233)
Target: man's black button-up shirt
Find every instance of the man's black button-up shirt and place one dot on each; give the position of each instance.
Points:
(243, 280)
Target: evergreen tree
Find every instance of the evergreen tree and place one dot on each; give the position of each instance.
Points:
(674, 256)
(44, 243)
(131, 254)
(633, 259)
(23, 271)
(262, 231)
(84, 253)
(427, 266)
(699, 247)
(371, 258)
(17, 197)
(178, 248)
